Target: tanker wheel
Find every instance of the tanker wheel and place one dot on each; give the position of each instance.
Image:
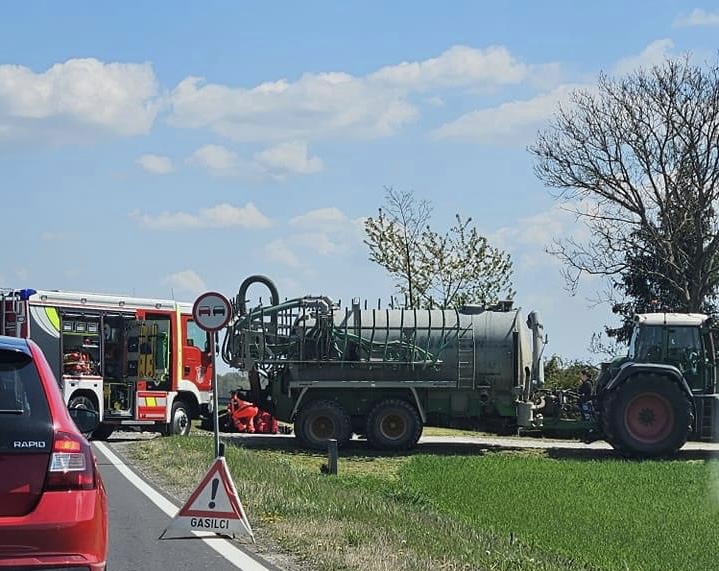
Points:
(648, 416)
(320, 421)
(393, 424)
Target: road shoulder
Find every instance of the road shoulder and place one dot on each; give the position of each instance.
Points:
(267, 552)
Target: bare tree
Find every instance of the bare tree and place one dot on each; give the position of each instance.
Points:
(637, 160)
(393, 239)
(433, 269)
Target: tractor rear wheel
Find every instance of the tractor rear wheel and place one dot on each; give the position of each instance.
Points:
(647, 416)
(393, 424)
(320, 421)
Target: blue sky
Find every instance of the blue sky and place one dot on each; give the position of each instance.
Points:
(167, 148)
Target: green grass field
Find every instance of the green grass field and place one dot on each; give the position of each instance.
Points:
(618, 515)
(496, 510)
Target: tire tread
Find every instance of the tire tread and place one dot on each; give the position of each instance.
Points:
(342, 420)
(377, 442)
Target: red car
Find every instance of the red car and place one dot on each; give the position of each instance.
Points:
(53, 505)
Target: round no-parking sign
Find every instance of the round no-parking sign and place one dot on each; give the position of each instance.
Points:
(211, 311)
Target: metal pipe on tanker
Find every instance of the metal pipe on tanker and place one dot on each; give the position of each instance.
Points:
(539, 340)
(525, 414)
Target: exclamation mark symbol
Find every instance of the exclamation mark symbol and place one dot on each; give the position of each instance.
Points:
(215, 483)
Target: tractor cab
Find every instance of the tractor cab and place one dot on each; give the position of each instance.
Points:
(682, 340)
(664, 390)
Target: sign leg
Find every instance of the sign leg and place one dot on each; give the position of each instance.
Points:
(215, 399)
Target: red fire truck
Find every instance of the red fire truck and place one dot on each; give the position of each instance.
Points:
(138, 362)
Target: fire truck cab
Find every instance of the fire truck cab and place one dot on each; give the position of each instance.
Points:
(137, 362)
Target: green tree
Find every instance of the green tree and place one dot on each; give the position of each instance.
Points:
(562, 374)
(433, 269)
(637, 160)
(645, 289)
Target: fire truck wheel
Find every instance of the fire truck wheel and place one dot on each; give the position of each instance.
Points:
(82, 401)
(103, 432)
(179, 420)
(393, 424)
(647, 416)
(320, 421)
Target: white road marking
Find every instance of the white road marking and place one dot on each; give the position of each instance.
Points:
(234, 555)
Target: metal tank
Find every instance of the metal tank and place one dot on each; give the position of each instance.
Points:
(309, 341)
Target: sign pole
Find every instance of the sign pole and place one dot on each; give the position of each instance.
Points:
(215, 398)
(214, 506)
(211, 312)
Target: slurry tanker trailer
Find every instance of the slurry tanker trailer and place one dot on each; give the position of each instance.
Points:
(384, 374)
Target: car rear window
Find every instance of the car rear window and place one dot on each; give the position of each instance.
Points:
(24, 411)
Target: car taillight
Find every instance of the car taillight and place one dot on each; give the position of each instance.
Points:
(71, 466)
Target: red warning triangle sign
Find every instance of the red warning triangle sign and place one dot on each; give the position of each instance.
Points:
(213, 507)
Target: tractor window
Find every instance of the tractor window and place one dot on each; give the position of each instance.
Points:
(683, 346)
(646, 344)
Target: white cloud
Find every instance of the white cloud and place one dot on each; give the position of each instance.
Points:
(54, 236)
(538, 230)
(77, 99)
(316, 105)
(325, 218)
(327, 231)
(459, 66)
(220, 216)
(279, 251)
(697, 17)
(513, 122)
(185, 281)
(286, 250)
(321, 232)
(318, 242)
(654, 54)
(547, 76)
(216, 158)
(516, 122)
(155, 164)
(292, 157)
(334, 104)
(275, 162)
(527, 239)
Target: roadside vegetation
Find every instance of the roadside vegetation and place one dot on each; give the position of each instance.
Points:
(461, 509)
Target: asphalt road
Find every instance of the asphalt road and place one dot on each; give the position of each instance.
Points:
(135, 525)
